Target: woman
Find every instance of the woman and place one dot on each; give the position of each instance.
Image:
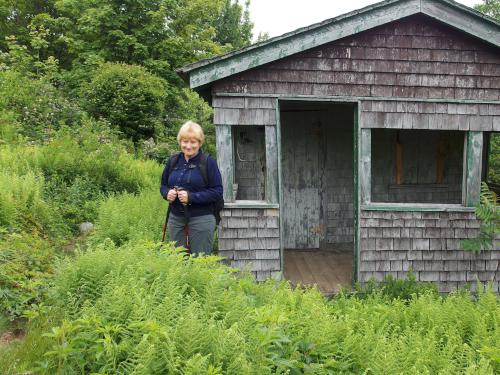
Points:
(191, 192)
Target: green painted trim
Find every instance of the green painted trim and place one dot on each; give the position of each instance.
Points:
(365, 163)
(250, 204)
(473, 168)
(409, 207)
(464, 170)
(224, 66)
(280, 185)
(357, 189)
(356, 98)
(204, 72)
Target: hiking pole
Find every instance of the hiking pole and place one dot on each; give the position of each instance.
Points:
(186, 221)
(165, 224)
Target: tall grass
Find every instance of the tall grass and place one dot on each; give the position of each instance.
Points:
(142, 309)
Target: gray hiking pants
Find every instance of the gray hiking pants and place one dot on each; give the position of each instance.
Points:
(200, 230)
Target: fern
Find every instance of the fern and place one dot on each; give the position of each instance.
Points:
(488, 212)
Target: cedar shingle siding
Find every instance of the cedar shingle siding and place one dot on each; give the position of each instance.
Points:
(412, 73)
(416, 57)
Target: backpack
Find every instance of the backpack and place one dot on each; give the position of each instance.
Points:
(217, 206)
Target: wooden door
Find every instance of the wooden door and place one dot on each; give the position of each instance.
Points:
(302, 166)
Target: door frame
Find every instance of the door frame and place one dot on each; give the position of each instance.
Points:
(356, 156)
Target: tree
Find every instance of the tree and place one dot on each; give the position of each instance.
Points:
(490, 7)
(15, 17)
(160, 35)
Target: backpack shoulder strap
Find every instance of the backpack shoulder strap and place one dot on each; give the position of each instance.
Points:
(171, 162)
(204, 167)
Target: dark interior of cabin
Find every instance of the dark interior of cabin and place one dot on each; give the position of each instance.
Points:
(317, 176)
(417, 166)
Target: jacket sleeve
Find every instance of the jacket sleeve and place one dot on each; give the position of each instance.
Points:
(214, 191)
(164, 180)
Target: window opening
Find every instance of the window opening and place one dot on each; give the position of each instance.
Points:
(250, 162)
(491, 160)
(417, 166)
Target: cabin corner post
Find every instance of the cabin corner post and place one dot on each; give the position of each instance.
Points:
(224, 142)
(473, 168)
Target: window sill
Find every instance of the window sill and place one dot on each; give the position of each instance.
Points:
(433, 207)
(250, 204)
(418, 187)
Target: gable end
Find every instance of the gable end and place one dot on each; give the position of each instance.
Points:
(205, 72)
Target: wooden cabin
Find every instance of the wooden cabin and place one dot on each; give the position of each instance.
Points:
(353, 148)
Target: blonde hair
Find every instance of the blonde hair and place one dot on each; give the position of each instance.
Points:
(191, 129)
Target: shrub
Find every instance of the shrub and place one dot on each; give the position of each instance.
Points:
(128, 97)
(27, 264)
(391, 288)
(92, 152)
(37, 105)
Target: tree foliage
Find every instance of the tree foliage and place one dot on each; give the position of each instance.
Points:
(490, 7)
(76, 38)
(494, 159)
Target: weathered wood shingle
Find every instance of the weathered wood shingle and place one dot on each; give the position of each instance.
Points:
(428, 244)
(416, 57)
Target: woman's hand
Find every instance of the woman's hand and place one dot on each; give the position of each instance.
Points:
(171, 195)
(183, 196)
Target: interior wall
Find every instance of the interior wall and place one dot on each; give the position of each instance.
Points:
(419, 151)
(250, 162)
(317, 176)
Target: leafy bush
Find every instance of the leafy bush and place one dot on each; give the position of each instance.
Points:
(494, 159)
(27, 264)
(94, 151)
(128, 97)
(35, 104)
(142, 309)
(391, 288)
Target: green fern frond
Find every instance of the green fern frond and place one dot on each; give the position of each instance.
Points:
(488, 212)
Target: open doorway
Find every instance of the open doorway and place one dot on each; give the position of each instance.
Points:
(318, 193)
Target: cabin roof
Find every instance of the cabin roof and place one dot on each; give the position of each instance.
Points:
(200, 75)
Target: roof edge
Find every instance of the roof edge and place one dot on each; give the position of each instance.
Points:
(204, 72)
(195, 65)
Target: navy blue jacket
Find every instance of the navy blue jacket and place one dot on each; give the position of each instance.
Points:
(188, 176)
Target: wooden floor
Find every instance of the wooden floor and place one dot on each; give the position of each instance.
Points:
(330, 270)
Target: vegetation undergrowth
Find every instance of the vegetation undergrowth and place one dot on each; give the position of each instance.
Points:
(48, 188)
(142, 308)
(79, 113)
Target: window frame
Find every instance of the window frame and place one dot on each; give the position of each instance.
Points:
(485, 162)
(471, 177)
(227, 165)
